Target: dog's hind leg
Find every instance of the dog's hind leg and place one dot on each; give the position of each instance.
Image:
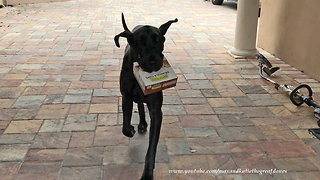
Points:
(127, 128)
(142, 127)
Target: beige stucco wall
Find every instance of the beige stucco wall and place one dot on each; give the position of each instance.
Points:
(16, 2)
(290, 29)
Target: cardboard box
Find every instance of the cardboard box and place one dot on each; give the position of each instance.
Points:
(155, 81)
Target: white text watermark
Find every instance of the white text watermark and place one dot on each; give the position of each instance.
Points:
(220, 171)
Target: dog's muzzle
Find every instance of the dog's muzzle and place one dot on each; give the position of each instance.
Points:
(151, 64)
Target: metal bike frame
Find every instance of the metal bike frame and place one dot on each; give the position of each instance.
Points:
(293, 94)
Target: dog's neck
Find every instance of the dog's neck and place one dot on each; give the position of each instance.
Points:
(133, 53)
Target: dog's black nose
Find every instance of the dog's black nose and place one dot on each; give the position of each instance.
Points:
(153, 66)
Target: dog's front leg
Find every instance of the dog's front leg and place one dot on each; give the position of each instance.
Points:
(142, 127)
(127, 128)
(155, 127)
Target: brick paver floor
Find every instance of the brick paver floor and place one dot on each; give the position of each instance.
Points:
(60, 105)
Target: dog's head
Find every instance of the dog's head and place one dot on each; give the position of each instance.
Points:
(147, 42)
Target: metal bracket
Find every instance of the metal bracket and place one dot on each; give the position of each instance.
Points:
(315, 132)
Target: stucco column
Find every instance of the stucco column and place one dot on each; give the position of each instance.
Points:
(246, 29)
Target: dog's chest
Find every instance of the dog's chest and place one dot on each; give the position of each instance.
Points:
(129, 86)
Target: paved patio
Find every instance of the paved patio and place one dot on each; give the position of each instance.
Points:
(60, 115)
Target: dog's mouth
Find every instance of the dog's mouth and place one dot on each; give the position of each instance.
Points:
(153, 66)
(151, 69)
(150, 64)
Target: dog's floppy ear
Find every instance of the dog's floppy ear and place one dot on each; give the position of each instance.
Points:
(164, 27)
(126, 33)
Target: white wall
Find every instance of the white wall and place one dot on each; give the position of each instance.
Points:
(290, 30)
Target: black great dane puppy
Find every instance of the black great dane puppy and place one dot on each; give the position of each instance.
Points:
(145, 46)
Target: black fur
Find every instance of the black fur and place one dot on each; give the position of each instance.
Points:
(145, 46)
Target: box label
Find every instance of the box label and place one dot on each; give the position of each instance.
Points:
(155, 81)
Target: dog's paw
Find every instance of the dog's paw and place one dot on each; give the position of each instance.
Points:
(128, 131)
(147, 176)
(142, 128)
